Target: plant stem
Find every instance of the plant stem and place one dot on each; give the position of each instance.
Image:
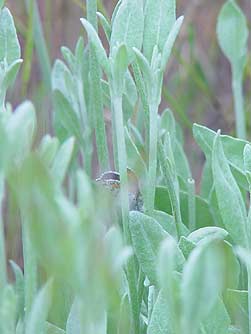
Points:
(191, 204)
(3, 270)
(239, 106)
(124, 200)
(96, 92)
(122, 162)
(152, 169)
(43, 56)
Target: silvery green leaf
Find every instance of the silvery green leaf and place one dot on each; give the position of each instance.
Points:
(170, 260)
(247, 162)
(147, 235)
(73, 324)
(167, 49)
(117, 254)
(48, 148)
(21, 130)
(36, 321)
(159, 20)
(145, 69)
(166, 221)
(10, 74)
(52, 329)
(130, 88)
(119, 66)
(202, 281)
(247, 157)
(232, 269)
(9, 45)
(232, 34)
(68, 118)
(245, 256)
(62, 161)
(19, 288)
(69, 57)
(128, 25)
(8, 310)
(135, 160)
(212, 232)
(20, 327)
(237, 305)
(218, 320)
(230, 200)
(233, 147)
(160, 322)
(115, 11)
(186, 246)
(105, 24)
(100, 51)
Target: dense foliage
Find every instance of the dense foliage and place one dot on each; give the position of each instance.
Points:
(142, 253)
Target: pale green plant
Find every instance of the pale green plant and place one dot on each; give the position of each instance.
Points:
(180, 263)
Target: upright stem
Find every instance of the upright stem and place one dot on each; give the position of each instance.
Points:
(152, 169)
(96, 92)
(122, 162)
(191, 204)
(239, 106)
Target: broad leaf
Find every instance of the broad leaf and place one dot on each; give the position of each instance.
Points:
(202, 281)
(232, 34)
(9, 45)
(128, 25)
(159, 19)
(230, 201)
(36, 322)
(147, 235)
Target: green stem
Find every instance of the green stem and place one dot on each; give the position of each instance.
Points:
(96, 92)
(152, 169)
(122, 162)
(124, 200)
(239, 107)
(42, 52)
(191, 204)
(3, 270)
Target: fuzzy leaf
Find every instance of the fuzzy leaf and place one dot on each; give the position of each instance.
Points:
(62, 161)
(36, 322)
(232, 34)
(159, 19)
(9, 45)
(147, 235)
(202, 281)
(8, 310)
(161, 316)
(100, 51)
(128, 25)
(230, 201)
(170, 42)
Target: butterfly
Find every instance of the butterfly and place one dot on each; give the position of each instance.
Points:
(111, 181)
